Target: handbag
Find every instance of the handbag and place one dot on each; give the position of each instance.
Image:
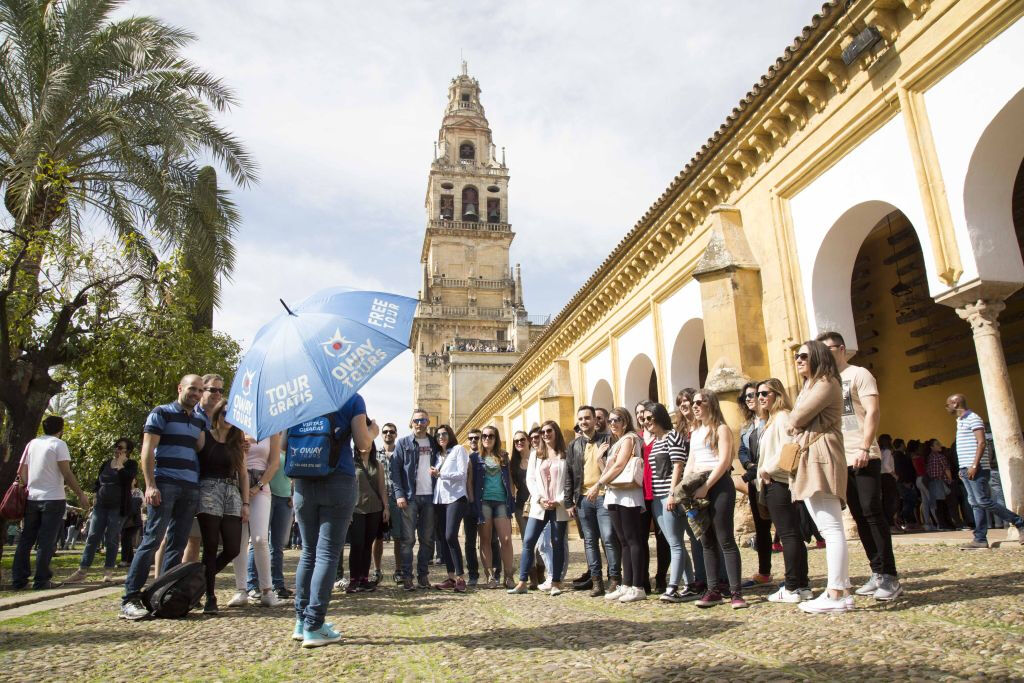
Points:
(789, 459)
(13, 506)
(631, 476)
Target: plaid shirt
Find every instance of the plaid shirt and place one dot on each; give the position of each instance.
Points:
(937, 466)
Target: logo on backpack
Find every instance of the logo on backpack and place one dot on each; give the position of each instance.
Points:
(314, 448)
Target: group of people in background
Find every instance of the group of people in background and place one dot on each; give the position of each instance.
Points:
(621, 475)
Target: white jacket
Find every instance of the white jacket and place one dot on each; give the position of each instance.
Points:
(537, 490)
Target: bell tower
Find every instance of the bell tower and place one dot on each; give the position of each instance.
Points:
(471, 325)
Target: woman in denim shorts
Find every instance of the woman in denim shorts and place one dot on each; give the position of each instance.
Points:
(223, 497)
(494, 502)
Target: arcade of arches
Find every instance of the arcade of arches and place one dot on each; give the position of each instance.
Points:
(883, 199)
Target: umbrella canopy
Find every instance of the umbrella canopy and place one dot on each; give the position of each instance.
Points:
(310, 360)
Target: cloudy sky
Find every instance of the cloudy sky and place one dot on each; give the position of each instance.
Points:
(598, 104)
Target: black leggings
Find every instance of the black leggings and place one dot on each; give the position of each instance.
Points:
(628, 525)
(361, 534)
(762, 533)
(786, 517)
(864, 496)
(720, 536)
(215, 531)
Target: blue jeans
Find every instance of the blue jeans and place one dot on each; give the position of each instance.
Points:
(105, 525)
(981, 500)
(450, 517)
(418, 521)
(323, 508)
(394, 521)
(673, 526)
(178, 505)
(44, 520)
(598, 531)
(534, 529)
(280, 526)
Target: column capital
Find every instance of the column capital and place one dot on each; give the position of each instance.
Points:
(982, 314)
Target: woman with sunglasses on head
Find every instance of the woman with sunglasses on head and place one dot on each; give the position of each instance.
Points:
(451, 500)
(746, 483)
(820, 480)
(711, 449)
(666, 460)
(775, 407)
(625, 504)
(663, 554)
(492, 493)
(546, 480)
(369, 515)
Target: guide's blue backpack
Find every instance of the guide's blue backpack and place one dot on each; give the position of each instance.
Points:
(314, 447)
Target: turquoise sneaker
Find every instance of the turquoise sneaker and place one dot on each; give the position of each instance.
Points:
(297, 634)
(325, 635)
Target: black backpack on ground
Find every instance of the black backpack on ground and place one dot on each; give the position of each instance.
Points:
(176, 592)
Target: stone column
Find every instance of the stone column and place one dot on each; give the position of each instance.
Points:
(999, 402)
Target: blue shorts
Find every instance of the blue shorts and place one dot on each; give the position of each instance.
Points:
(493, 508)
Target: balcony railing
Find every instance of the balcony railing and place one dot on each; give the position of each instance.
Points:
(440, 311)
(469, 167)
(482, 346)
(445, 224)
(478, 282)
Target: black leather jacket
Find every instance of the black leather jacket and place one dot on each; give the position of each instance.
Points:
(574, 465)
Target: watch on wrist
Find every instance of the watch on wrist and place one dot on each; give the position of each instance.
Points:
(260, 485)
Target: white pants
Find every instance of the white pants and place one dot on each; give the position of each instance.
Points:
(827, 512)
(257, 529)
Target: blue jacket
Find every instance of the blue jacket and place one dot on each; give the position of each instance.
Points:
(477, 465)
(406, 462)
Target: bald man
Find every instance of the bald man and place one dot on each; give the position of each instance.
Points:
(172, 437)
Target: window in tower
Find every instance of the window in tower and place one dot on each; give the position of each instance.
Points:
(467, 152)
(470, 204)
(493, 210)
(447, 207)
(465, 97)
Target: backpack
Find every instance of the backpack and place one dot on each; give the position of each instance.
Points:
(176, 592)
(314, 447)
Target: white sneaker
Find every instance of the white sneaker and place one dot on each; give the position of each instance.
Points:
(635, 594)
(108, 577)
(616, 594)
(270, 599)
(79, 576)
(239, 599)
(823, 604)
(783, 595)
(546, 586)
(341, 584)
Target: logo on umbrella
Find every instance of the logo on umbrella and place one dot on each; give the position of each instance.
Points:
(247, 382)
(336, 346)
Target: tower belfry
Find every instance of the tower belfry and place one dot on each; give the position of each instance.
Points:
(471, 325)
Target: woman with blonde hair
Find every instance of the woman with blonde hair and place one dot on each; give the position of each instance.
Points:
(493, 504)
(773, 481)
(711, 451)
(545, 478)
(820, 480)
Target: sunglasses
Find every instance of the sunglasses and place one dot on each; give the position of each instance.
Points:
(421, 420)
(647, 418)
(765, 394)
(490, 436)
(549, 430)
(749, 397)
(389, 431)
(444, 434)
(801, 356)
(697, 404)
(474, 438)
(519, 441)
(614, 420)
(213, 390)
(534, 437)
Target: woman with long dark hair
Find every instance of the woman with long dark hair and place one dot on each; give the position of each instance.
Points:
(367, 517)
(223, 497)
(451, 500)
(493, 503)
(545, 478)
(820, 480)
(711, 451)
(774, 481)
(519, 463)
(746, 483)
(625, 504)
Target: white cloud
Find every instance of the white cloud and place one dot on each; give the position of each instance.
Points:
(599, 104)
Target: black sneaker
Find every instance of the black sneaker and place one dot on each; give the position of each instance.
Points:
(407, 585)
(688, 594)
(285, 594)
(671, 595)
(423, 582)
(210, 606)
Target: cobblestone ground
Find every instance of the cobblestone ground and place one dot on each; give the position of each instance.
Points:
(962, 618)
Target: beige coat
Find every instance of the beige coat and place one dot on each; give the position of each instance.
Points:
(769, 448)
(818, 416)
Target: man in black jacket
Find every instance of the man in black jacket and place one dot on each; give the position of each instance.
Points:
(585, 461)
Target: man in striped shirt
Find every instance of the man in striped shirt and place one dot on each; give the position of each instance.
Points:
(974, 461)
(173, 435)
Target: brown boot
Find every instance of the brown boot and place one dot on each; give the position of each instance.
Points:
(598, 589)
(533, 578)
(612, 585)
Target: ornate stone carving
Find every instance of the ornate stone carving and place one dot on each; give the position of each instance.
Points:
(982, 316)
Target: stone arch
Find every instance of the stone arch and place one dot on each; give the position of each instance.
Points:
(988, 192)
(833, 268)
(685, 363)
(602, 396)
(640, 377)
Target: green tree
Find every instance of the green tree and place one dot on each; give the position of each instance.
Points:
(101, 126)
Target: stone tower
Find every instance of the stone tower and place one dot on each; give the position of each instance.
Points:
(471, 325)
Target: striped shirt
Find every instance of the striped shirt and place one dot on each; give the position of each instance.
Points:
(967, 443)
(665, 453)
(176, 458)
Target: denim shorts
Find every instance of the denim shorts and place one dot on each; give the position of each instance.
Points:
(220, 498)
(493, 508)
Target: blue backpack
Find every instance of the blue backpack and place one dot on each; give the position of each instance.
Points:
(314, 447)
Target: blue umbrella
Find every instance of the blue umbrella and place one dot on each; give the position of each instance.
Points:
(310, 360)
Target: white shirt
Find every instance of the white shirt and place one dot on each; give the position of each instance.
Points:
(424, 482)
(45, 481)
(451, 482)
(703, 458)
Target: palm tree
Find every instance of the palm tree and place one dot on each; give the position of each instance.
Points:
(103, 122)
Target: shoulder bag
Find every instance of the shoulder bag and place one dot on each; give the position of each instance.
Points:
(632, 475)
(13, 505)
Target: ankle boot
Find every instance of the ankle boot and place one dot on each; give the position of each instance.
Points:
(598, 589)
